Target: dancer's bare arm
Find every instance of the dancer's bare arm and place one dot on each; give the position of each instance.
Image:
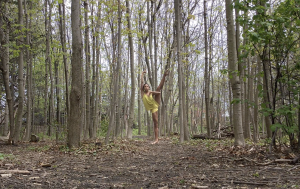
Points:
(154, 92)
(142, 83)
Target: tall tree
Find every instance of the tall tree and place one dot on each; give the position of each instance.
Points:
(233, 76)
(29, 74)
(116, 73)
(4, 66)
(47, 61)
(62, 29)
(131, 50)
(74, 120)
(20, 74)
(88, 129)
(206, 74)
(177, 6)
(51, 99)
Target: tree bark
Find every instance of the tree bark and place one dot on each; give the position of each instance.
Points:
(177, 5)
(74, 123)
(88, 129)
(206, 75)
(116, 81)
(47, 62)
(51, 99)
(62, 29)
(20, 75)
(131, 52)
(234, 79)
(4, 67)
(29, 76)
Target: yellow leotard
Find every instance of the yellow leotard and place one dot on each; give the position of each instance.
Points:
(150, 103)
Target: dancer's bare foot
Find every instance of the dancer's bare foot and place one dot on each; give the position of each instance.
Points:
(156, 141)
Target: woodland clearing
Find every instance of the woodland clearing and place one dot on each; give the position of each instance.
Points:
(138, 164)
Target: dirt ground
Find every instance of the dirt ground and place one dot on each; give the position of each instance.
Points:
(138, 164)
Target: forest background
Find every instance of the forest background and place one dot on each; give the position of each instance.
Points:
(71, 70)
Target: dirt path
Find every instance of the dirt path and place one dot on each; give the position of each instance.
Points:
(138, 164)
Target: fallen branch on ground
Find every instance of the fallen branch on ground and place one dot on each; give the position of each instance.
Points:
(24, 172)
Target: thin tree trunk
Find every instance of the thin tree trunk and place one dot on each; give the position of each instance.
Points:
(62, 28)
(116, 81)
(206, 75)
(88, 129)
(51, 99)
(131, 52)
(20, 75)
(57, 89)
(241, 71)
(47, 62)
(177, 5)
(4, 67)
(93, 82)
(234, 79)
(29, 77)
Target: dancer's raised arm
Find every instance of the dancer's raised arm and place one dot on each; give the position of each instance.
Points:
(142, 83)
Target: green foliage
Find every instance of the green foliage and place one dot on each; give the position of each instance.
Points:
(235, 101)
(136, 132)
(104, 127)
(6, 156)
(39, 148)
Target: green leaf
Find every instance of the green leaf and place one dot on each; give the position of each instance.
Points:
(276, 125)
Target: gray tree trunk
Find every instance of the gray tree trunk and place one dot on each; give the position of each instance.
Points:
(4, 67)
(88, 129)
(116, 82)
(47, 62)
(206, 75)
(177, 5)
(51, 99)
(234, 79)
(74, 123)
(131, 52)
(62, 29)
(20, 43)
(29, 76)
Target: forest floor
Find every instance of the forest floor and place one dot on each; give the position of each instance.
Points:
(139, 164)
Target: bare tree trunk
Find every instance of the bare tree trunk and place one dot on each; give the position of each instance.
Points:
(131, 52)
(116, 81)
(29, 76)
(206, 76)
(234, 79)
(4, 67)
(62, 29)
(47, 62)
(177, 5)
(241, 64)
(93, 82)
(88, 129)
(57, 89)
(20, 42)
(139, 68)
(124, 107)
(74, 123)
(95, 86)
(51, 99)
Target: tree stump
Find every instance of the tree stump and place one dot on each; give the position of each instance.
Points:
(34, 138)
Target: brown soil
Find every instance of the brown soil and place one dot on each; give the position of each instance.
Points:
(138, 164)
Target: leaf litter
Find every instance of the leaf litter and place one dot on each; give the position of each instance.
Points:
(138, 164)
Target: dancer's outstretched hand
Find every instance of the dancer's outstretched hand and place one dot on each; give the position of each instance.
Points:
(166, 72)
